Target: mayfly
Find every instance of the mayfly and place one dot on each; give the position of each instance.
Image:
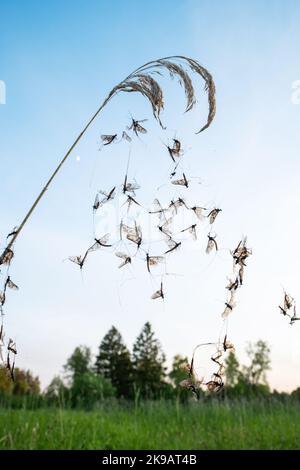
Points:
(229, 306)
(175, 151)
(165, 227)
(79, 260)
(108, 139)
(198, 211)
(100, 242)
(241, 274)
(107, 197)
(1, 343)
(174, 171)
(136, 127)
(284, 312)
(173, 245)
(215, 358)
(233, 285)
(158, 209)
(175, 205)
(126, 258)
(192, 383)
(130, 200)
(6, 256)
(211, 244)
(10, 284)
(134, 234)
(2, 300)
(153, 261)
(215, 384)
(227, 344)
(11, 348)
(294, 317)
(129, 187)
(181, 182)
(288, 303)
(159, 293)
(213, 214)
(241, 253)
(191, 230)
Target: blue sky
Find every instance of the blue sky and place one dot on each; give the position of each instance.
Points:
(58, 60)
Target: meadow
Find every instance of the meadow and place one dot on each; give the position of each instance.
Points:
(155, 425)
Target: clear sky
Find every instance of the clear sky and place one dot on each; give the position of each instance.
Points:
(58, 60)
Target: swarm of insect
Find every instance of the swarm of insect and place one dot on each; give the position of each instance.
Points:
(140, 81)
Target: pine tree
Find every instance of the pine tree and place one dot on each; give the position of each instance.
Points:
(148, 363)
(114, 363)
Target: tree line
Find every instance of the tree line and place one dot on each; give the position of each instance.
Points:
(117, 373)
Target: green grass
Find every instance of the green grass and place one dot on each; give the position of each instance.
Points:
(153, 425)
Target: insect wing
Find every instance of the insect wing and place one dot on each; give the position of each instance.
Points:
(108, 139)
(126, 136)
(12, 285)
(75, 259)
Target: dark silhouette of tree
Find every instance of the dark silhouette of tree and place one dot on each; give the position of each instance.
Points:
(114, 363)
(78, 363)
(148, 363)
